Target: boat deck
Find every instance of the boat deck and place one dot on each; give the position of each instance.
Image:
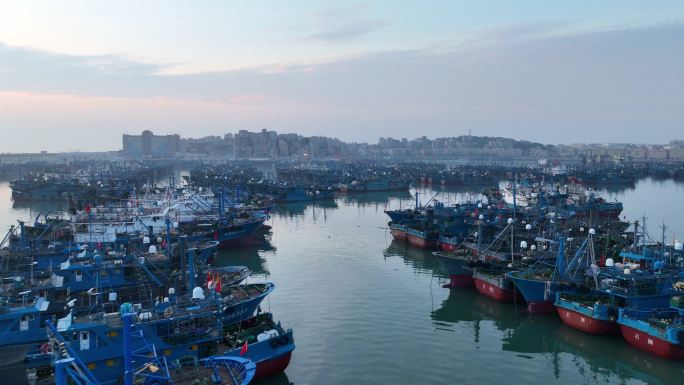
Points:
(201, 375)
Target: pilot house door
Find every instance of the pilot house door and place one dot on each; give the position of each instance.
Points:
(24, 323)
(85, 343)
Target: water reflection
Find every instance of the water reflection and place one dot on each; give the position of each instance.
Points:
(253, 257)
(468, 306)
(299, 209)
(611, 356)
(36, 207)
(595, 359)
(534, 334)
(419, 259)
(278, 379)
(372, 198)
(617, 188)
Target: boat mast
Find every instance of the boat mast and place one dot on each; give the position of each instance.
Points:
(512, 257)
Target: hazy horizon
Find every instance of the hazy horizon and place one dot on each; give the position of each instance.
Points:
(76, 75)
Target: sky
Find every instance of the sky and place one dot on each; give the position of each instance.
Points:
(75, 75)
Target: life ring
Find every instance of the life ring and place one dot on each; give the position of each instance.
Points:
(168, 312)
(45, 348)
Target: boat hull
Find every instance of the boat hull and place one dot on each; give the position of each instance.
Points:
(399, 234)
(537, 307)
(460, 274)
(651, 344)
(447, 245)
(587, 324)
(537, 294)
(459, 281)
(421, 242)
(272, 366)
(270, 356)
(490, 289)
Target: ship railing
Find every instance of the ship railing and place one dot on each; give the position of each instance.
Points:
(649, 313)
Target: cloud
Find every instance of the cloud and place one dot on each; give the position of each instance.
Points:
(349, 31)
(344, 24)
(622, 84)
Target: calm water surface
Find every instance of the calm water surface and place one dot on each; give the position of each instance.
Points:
(366, 310)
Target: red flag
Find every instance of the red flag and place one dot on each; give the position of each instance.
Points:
(216, 235)
(243, 351)
(218, 285)
(208, 278)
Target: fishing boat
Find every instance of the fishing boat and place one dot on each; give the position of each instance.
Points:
(21, 328)
(539, 283)
(493, 282)
(177, 327)
(457, 265)
(423, 237)
(263, 341)
(616, 286)
(398, 231)
(642, 278)
(496, 260)
(657, 331)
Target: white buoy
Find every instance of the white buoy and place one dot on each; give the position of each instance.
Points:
(628, 271)
(172, 291)
(592, 231)
(481, 217)
(528, 227)
(197, 293)
(523, 244)
(679, 246)
(152, 249)
(146, 240)
(510, 220)
(533, 247)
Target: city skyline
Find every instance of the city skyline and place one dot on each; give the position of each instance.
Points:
(269, 144)
(75, 77)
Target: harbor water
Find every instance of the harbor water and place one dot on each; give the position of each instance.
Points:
(366, 310)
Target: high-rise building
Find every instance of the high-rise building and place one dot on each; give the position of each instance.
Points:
(149, 144)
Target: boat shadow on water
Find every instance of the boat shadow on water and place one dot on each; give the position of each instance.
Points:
(467, 306)
(278, 379)
(299, 209)
(420, 259)
(612, 354)
(380, 197)
(531, 336)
